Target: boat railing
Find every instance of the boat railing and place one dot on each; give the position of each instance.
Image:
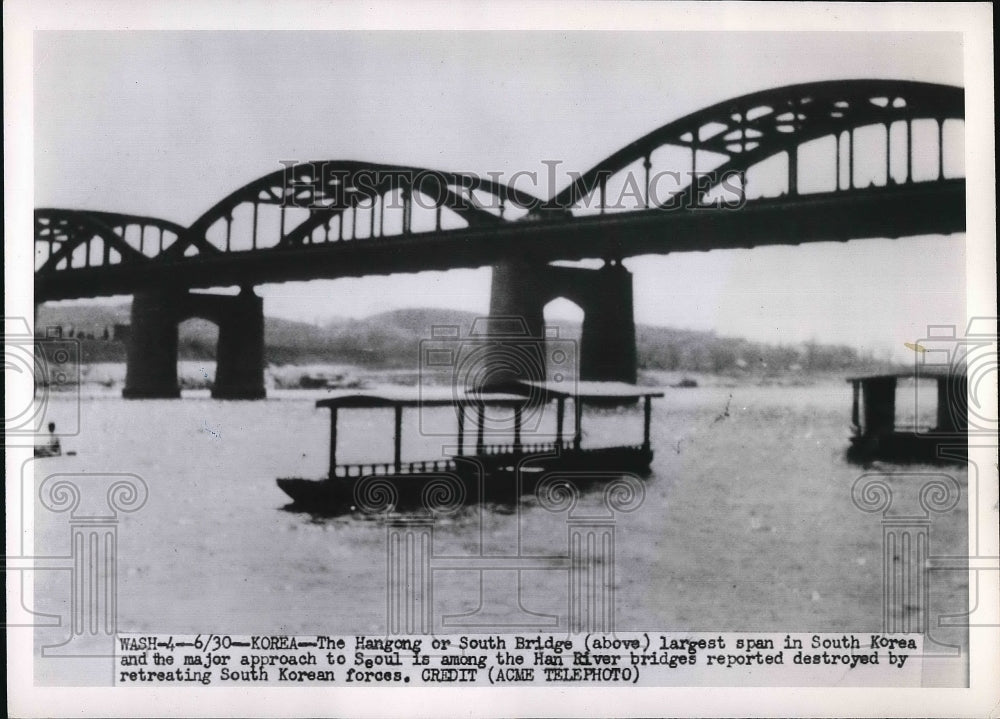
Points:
(491, 450)
(346, 471)
(616, 448)
(522, 448)
(367, 469)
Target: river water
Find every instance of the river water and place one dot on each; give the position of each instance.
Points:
(747, 522)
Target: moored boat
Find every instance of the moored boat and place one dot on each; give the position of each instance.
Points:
(878, 434)
(473, 469)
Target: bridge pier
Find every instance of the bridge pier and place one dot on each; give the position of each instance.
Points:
(151, 364)
(607, 350)
(239, 367)
(152, 349)
(607, 343)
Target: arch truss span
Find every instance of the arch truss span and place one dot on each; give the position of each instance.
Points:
(322, 202)
(80, 239)
(835, 136)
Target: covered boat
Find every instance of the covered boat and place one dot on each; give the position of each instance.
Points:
(473, 468)
(878, 434)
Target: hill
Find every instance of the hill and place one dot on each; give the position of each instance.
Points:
(391, 340)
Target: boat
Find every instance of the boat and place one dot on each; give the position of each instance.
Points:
(51, 447)
(877, 434)
(472, 469)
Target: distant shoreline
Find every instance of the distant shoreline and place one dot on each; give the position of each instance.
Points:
(200, 374)
(391, 341)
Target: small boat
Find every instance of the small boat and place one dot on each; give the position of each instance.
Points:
(308, 381)
(484, 471)
(49, 451)
(337, 381)
(877, 434)
(52, 446)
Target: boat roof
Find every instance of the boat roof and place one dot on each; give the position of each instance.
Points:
(927, 372)
(399, 396)
(587, 389)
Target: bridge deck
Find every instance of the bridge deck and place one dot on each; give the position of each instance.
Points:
(875, 212)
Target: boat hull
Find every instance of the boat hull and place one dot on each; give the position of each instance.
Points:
(908, 448)
(497, 478)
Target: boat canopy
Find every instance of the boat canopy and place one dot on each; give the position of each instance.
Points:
(929, 372)
(877, 394)
(391, 396)
(399, 398)
(585, 390)
(416, 397)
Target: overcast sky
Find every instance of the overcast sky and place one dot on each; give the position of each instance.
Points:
(168, 123)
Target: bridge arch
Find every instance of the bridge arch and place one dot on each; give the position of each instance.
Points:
(80, 239)
(321, 201)
(731, 137)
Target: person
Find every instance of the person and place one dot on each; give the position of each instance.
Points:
(52, 448)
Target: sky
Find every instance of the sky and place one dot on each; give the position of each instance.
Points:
(167, 123)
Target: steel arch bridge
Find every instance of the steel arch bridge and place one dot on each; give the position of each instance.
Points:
(329, 219)
(343, 218)
(830, 161)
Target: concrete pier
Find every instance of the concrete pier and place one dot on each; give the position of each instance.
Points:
(151, 364)
(607, 348)
(152, 350)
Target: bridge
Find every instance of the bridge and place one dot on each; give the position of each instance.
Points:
(818, 162)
